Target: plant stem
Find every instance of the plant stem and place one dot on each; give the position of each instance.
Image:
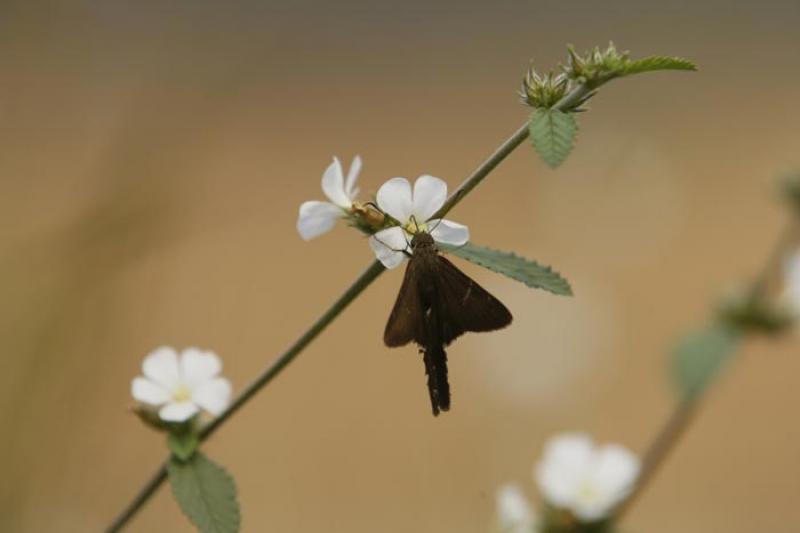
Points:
(363, 281)
(144, 495)
(681, 418)
(570, 100)
(335, 310)
(665, 441)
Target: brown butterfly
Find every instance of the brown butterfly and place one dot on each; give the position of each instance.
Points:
(438, 303)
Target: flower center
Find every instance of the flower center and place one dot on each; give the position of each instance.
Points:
(588, 493)
(413, 227)
(182, 394)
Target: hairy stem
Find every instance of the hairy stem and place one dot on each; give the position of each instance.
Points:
(568, 102)
(664, 442)
(369, 275)
(363, 281)
(149, 488)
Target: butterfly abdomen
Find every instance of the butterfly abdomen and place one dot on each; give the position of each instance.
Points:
(435, 359)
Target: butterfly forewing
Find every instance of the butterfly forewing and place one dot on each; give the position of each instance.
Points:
(407, 320)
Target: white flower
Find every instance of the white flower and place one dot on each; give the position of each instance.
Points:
(412, 211)
(316, 217)
(514, 513)
(790, 296)
(587, 480)
(180, 387)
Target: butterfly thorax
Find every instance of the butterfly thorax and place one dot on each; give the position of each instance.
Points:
(422, 242)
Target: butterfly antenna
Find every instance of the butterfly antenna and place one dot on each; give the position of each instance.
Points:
(404, 251)
(436, 225)
(416, 224)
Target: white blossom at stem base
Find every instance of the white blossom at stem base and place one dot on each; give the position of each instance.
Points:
(179, 387)
(587, 480)
(514, 513)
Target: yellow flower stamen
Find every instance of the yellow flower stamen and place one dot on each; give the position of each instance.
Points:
(588, 493)
(182, 394)
(413, 227)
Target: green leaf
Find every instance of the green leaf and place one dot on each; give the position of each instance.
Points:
(700, 356)
(183, 444)
(205, 493)
(518, 268)
(653, 63)
(553, 134)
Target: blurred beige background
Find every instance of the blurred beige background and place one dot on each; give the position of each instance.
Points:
(152, 159)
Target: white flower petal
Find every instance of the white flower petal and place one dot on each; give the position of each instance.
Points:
(557, 486)
(145, 391)
(350, 188)
(333, 185)
(562, 470)
(178, 411)
(447, 232)
(161, 366)
(388, 245)
(514, 513)
(213, 396)
(198, 367)
(394, 197)
(615, 472)
(790, 296)
(429, 195)
(592, 509)
(317, 218)
(569, 448)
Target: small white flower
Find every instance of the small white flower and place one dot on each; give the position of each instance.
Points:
(514, 513)
(180, 387)
(790, 296)
(413, 211)
(585, 479)
(316, 217)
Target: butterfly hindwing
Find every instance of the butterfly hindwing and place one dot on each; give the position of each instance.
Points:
(465, 305)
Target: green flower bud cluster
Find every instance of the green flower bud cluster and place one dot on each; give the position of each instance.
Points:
(791, 191)
(596, 66)
(543, 90)
(592, 69)
(750, 314)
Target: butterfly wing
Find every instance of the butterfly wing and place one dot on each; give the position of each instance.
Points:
(465, 305)
(407, 321)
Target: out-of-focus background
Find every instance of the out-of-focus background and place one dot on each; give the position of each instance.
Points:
(152, 159)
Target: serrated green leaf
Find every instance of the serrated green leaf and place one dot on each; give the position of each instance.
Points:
(517, 268)
(183, 444)
(206, 494)
(700, 356)
(553, 134)
(653, 63)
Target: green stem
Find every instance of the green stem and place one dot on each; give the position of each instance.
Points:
(664, 442)
(334, 311)
(363, 281)
(568, 102)
(681, 418)
(149, 488)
